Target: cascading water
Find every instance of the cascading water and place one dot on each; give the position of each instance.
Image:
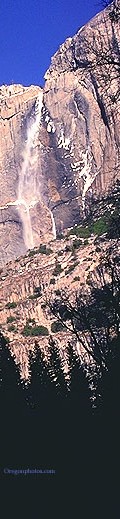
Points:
(29, 183)
(53, 225)
(27, 188)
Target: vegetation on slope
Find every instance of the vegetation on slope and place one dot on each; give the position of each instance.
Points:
(35, 331)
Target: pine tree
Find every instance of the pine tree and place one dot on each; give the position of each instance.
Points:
(12, 409)
(12, 391)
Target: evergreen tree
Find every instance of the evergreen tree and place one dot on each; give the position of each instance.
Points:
(12, 409)
(79, 391)
(56, 369)
(11, 388)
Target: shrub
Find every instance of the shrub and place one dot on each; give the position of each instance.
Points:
(52, 281)
(57, 326)
(76, 244)
(100, 226)
(42, 249)
(34, 296)
(35, 331)
(6, 339)
(32, 321)
(77, 278)
(37, 290)
(98, 249)
(10, 319)
(68, 248)
(11, 328)
(49, 251)
(37, 293)
(70, 269)
(83, 232)
(60, 236)
(88, 280)
(58, 292)
(76, 263)
(57, 269)
(32, 252)
(11, 305)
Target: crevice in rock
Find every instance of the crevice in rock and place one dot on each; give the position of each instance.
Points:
(100, 103)
(9, 116)
(63, 202)
(83, 109)
(11, 221)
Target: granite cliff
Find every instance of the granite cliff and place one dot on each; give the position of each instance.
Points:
(59, 146)
(59, 177)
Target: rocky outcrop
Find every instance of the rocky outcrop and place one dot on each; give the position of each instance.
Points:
(29, 284)
(59, 147)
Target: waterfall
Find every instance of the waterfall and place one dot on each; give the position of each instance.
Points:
(27, 188)
(53, 225)
(26, 221)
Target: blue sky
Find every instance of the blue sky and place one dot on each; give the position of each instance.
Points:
(32, 30)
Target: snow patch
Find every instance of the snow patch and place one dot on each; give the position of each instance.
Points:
(50, 124)
(83, 169)
(50, 127)
(63, 142)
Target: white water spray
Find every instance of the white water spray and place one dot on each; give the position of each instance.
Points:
(27, 188)
(53, 225)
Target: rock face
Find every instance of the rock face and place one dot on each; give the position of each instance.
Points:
(28, 285)
(59, 146)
